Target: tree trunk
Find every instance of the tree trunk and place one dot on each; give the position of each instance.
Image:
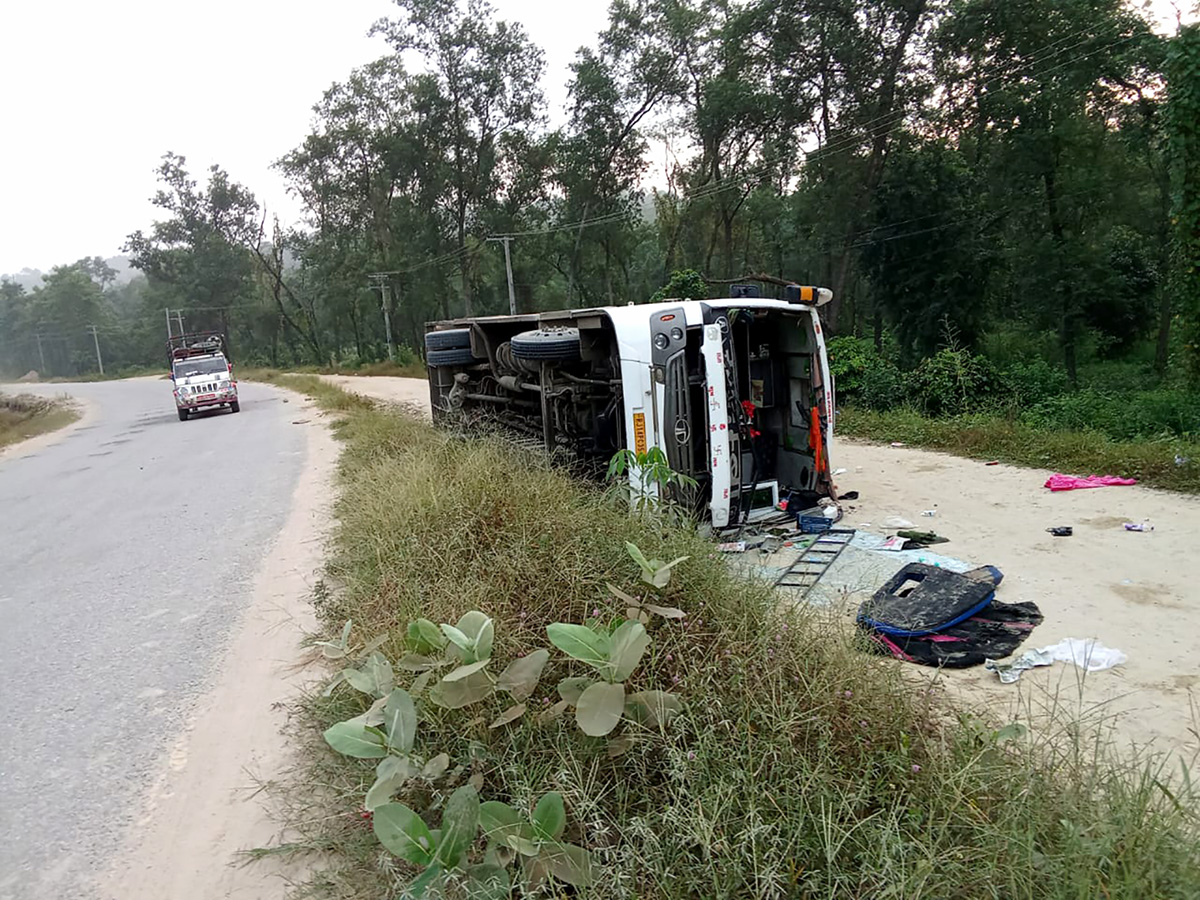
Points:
(1069, 321)
(880, 132)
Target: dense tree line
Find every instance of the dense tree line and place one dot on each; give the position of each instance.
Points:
(1019, 174)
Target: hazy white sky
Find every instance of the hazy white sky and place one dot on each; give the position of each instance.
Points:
(93, 93)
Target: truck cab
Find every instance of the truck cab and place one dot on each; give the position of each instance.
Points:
(735, 392)
(202, 374)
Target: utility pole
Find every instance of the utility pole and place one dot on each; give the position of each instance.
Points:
(41, 355)
(179, 319)
(385, 292)
(96, 340)
(168, 313)
(512, 297)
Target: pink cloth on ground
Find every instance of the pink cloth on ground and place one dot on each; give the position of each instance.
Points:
(1058, 482)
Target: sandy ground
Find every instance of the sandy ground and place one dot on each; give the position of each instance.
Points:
(205, 807)
(1132, 591)
(409, 392)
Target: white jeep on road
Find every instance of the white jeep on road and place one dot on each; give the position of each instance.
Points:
(202, 374)
(735, 392)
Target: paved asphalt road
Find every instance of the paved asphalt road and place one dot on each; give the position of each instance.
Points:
(127, 551)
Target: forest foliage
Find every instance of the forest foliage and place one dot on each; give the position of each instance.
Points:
(1023, 175)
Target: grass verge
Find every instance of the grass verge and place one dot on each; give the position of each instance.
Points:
(799, 767)
(24, 416)
(1153, 462)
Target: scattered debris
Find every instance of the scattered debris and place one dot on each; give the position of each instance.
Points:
(935, 617)
(1181, 460)
(849, 495)
(1087, 653)
(300, 422)
(1010, 672)
(992, 462)
(1061, 530)
(1138, 526)
(1060, 482)
(922, 538)
(896, 522)
(899, 444)
(929, 512)
(837, 472)
(893, 544)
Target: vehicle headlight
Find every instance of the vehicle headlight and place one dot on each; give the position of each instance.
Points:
(183, 390)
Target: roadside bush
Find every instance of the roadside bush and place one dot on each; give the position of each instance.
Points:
(951, 382)
(1125, 416)
(862, 376)
(798, 766)
(1028, 383)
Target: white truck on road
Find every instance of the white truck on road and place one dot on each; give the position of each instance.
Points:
(735, 392)
(201, 373)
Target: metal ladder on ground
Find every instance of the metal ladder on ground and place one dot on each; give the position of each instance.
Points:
(806, 570)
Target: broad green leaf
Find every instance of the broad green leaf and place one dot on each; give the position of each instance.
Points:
(481, 630)
(629, 642)
(420, 683)
(570, 689)
(580, 642)
(467, 671)
(487, 882)
(390, 776)
(332, 686)
(330, 650)
(381, 673)
(652, 708)
(436, 767)
(394, 766)
(521, 676)
(345, 642)
(457, 638)
(457, 694)
(554, 711)
(498, 821)
(360, 679)
(535, 870)
(425, 637)
(570, 864)
(415, 662)
(660, 575)
(599, 708)
(404, 834)
(621, 595)
(460, 820)
(400, 721)
(509, 715)
(352, 738)
(1011, 732)
(374, 715)
(667, 612)
(550, 816)
(524, 842)
(636, 554)
(427, 879)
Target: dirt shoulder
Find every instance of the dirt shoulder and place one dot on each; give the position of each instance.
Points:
(26, 436)
(410, 392)
(1133, 591)
(205, 807)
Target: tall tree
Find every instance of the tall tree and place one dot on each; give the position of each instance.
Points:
(486, 74)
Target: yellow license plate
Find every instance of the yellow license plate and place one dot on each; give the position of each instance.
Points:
(639, 432)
